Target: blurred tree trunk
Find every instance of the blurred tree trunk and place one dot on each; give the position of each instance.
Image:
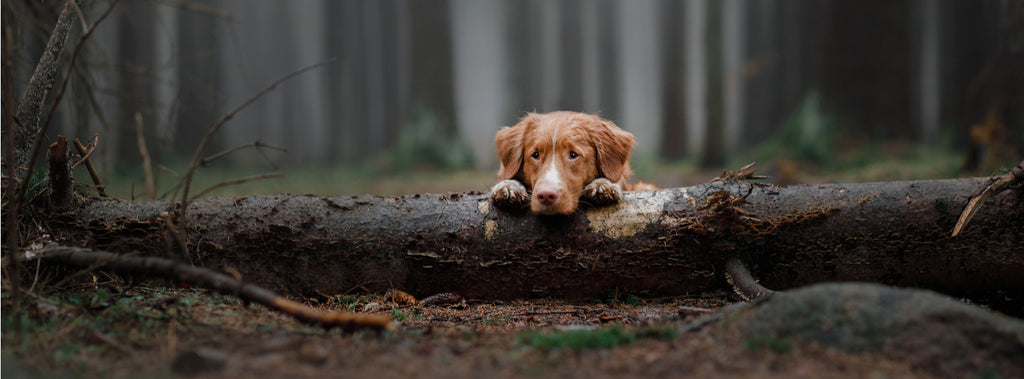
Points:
(640, 84)
(714, 153)
(551, 56)
(480, 64)
(764, 112)
(734, 78)
(666, 242)
(927, 44)
(138, 74)
(200, 90)
(673, 89)
(309, 103)
(590, 57)
(696, 79)
(350, 114)
(570, 48)
(609, 50)
(432, 87)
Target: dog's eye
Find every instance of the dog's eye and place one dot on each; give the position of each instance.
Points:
(573, 155)
(535, 155)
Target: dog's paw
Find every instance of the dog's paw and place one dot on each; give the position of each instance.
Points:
(510, 194)
(602, 192)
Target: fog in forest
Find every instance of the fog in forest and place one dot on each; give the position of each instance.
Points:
(423, 84)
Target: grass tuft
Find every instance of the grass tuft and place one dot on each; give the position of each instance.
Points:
(577, 339)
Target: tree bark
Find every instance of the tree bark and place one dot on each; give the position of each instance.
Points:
(666, 242)
(39, 85)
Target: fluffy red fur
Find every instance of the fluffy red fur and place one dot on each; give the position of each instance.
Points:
(553, 160)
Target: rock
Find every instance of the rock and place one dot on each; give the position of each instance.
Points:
(313, 353)
(199, 360)
(934, 332)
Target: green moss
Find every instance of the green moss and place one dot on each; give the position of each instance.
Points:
(633, 300)
(489, 320)
(777, 345)
(577, 339)
(399, 315)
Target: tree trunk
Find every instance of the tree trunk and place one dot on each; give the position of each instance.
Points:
(666, 242)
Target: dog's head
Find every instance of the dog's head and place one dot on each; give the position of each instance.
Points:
(556, 154)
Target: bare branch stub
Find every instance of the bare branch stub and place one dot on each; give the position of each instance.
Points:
(60, 186)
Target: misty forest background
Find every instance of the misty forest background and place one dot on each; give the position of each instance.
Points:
(417, 89)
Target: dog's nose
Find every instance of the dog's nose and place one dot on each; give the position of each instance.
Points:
(547, 197)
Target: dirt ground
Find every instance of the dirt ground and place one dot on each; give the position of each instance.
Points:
(149, 330)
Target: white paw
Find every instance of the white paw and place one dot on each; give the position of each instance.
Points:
(602, 192)
(509, 194)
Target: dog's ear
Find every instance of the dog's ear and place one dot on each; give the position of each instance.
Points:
(509, 142)
(613, 146)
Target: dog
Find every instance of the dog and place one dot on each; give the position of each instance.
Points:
(553, 160)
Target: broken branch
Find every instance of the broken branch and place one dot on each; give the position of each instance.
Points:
(256, 145)
(90, 167)
(238, 181)
(213, 280)
(197, 157)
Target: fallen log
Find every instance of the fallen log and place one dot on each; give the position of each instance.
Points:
(666, 242)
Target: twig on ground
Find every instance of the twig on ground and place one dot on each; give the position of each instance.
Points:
(212, 280)
(998, 184)
(147, 165)
(90, 167)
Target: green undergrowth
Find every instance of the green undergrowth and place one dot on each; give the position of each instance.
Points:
(774, 344)
(108, 331)
(603, 338)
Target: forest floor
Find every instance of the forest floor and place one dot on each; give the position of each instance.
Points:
(106, 329)
(101, 325)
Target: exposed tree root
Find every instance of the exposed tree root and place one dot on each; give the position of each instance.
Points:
(210, 279)
(742, 282)
(1014, 177)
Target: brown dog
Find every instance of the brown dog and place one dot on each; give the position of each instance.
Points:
(560, 157)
